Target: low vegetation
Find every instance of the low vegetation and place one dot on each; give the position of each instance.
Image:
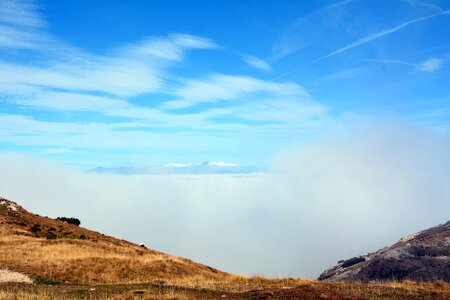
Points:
(73, 221)
(240, 288)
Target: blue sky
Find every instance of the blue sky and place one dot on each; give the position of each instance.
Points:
(114, 83)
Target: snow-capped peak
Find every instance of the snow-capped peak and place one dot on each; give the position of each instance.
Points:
(176, 165)
(221, 164)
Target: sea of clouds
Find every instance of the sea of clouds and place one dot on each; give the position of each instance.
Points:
(351, 192)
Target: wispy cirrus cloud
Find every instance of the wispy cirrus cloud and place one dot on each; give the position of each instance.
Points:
(373, 36)
(221, 87)
(338, 22)
(430, 65)
(130, 70)
(257, 63)
(341, 75)
(116, 77)
(21, 13)
(306, 31)
(22, 26)
(418, 3)
(172, 47)
(128, 98)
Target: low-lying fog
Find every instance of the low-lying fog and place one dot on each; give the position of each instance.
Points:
(327, 200)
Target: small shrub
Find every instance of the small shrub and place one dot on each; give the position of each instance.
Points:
(51, 236)
(82, 237)
(44, 280)
(35, 228)
(138, 292)
(352, 261)
(73, 221)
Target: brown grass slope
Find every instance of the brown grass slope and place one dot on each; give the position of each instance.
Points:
(53, 250)
(70, 262)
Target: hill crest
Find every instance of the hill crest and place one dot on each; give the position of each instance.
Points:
(53, 250)
(421, 256)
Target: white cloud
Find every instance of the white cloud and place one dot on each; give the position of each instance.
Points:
(124, 78)
(416, 3)
(171, 47)
(368, 38)
(388, 61)
(22, 27)
(131, 70)
(352, 192)
(430, 65)
(67, 79)
(188, 41)
(341, 75)
(21, 13)
(133, 136)
(298, 113)
(257, 63)
(17, 38)
(72, 102)
(220, 87)
(305, 31)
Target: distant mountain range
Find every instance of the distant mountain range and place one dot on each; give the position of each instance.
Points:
(422, 256)
(207, 167)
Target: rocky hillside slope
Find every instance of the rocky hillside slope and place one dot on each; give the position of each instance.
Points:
(423, 256)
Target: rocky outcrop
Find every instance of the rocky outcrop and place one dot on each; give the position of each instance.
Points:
(423, 256)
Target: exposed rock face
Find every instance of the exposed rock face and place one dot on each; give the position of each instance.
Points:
(423, 256)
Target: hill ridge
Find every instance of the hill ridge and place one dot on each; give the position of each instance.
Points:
(56, 249)
(420, 256)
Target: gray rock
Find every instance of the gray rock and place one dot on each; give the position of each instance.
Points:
(423, 256)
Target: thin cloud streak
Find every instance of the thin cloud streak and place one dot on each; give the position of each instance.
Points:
(380, 34)
(388, 61)
(289, 41)
(257, 63)
(429, 65)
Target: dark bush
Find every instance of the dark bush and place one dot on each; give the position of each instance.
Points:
(45, 280)
(73, 221)
(352, 261)
(416, 268)
(35, 228)
(51, 236)
(432, 251)
(82, 237)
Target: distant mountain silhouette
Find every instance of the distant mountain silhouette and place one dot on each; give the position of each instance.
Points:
(207, 167)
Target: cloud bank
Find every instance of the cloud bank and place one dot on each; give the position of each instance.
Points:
(355, 191)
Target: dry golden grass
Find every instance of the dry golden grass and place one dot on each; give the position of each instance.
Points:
(87, 262)
(267, 289)
(94, 259)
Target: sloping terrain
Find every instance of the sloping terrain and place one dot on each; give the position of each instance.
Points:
(423, 256)
(65, 261)
(50, 250)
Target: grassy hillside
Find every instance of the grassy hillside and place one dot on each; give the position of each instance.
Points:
(69, 262)
(52, 250)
